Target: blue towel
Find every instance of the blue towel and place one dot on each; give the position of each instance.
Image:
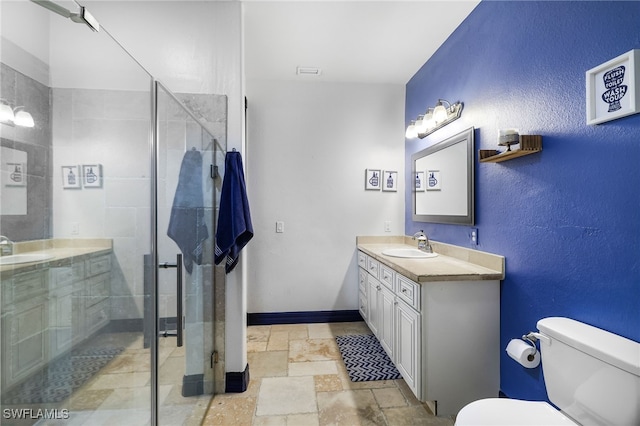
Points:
(187, 225)
(234, 219)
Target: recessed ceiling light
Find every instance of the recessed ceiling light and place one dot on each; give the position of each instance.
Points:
(308, 71)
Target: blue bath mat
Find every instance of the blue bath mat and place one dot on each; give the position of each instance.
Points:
(365, 359)
(60, 378)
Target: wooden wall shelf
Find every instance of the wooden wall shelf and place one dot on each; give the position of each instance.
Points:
(529, 144)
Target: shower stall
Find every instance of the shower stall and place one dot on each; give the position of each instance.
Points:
(109, 188)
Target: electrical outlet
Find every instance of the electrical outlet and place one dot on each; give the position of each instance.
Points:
(387, 226)
(473, 236)
(75, 228)
(279, 227)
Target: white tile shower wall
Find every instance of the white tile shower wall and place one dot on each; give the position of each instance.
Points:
(91, 129)
(110, 128)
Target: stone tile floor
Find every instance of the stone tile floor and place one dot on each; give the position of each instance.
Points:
(298, 378)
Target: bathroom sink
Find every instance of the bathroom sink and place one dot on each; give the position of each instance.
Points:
(24, 258)
(408, 253)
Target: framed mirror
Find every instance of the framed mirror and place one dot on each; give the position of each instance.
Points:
(443, 189)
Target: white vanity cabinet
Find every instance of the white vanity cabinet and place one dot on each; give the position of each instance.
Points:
(441, 333)
(395, 323)
(47, 309)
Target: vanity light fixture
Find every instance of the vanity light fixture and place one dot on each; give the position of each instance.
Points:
(15, 116)
(433, 119)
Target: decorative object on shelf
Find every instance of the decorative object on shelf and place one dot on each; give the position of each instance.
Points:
(92, 175)
(15, 116)
(419, 182)
(71, 177)
(389, 180)
(529, 144)
(613, 88)
(509, 137)
(372, 180)
(433, 119)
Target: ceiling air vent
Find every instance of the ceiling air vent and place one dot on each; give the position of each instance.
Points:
(308, 71)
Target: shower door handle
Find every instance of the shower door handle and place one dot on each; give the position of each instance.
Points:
(179, 313)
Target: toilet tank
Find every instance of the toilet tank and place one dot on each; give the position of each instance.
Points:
(592, 375)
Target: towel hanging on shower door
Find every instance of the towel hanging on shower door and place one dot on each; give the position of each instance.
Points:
(187, 225)
(234, 219)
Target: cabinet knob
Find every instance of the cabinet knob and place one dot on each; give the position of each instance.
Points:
(404, 290)
(379, 288)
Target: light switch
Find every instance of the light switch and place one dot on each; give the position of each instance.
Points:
(279, 227)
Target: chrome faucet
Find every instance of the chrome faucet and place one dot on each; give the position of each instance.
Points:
(6, 246)
(423, 241)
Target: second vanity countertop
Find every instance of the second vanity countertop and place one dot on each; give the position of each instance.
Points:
(453, 263)
(62, 250)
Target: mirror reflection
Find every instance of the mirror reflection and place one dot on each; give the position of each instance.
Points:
(13, 181)
(444, 181)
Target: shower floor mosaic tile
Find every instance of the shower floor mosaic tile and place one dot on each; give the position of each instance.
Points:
(298, 378)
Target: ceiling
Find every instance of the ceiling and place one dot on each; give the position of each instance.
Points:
(350, 41)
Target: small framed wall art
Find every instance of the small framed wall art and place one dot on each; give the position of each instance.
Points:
(613, 88)
(372, 179)
(389, 180)
(71, 177)
(92, 175)
(434, 180)
(17, 174)
(419, 182)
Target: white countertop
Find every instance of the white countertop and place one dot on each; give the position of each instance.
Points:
(453, 263)
(62, 250)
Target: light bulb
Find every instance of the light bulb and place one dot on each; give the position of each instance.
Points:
(6, 113)
(428, 120)
(420, 125)
(24, 119)
(439, 113)
(411, 132)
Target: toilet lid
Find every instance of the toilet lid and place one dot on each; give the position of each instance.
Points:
(510, 412)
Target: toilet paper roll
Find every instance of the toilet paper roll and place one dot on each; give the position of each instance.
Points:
(523, 353)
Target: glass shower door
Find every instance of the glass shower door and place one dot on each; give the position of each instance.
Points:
(72, 343)
(188, 184)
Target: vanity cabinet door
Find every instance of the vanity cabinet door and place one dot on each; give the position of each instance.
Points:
(408, 345)
(362, 293)
(373, 290)
(25, 340)
(386, 323)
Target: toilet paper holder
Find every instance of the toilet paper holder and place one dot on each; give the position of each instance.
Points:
(532, 337)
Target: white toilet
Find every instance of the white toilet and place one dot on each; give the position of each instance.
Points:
(591, 375)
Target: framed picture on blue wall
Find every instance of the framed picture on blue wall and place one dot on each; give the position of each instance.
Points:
(613, 88)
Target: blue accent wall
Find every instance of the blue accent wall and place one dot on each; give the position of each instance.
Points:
(567, 219)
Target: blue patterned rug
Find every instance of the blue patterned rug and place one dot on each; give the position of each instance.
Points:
(365, 359)
(60, 378)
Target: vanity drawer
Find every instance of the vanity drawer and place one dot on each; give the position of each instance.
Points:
(29, 285)
(98, 265)
(408, 291)
(362, 280)
(97, 289)
(362, 260)
(387, 276)
(373, 266)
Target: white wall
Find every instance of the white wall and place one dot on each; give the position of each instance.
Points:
(308, 146)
